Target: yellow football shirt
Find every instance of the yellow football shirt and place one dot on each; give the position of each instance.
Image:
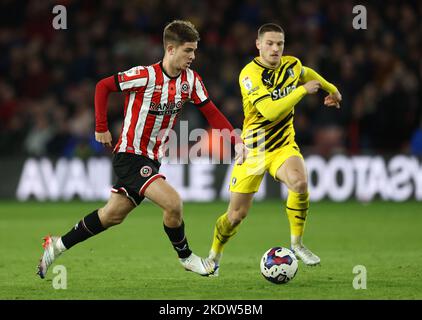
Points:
(261, 85)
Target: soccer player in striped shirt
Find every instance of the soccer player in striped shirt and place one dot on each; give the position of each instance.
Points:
(154, 95)
(271, 86)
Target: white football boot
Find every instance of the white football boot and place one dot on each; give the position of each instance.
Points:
(216, 257)
(51, 252)
(204, 267)
(306, 255)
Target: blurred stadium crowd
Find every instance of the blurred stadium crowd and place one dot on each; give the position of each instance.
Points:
(48, 76)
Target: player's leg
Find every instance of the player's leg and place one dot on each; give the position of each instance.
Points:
(244, 183)
(114, 212)
(293, 173)
(165, 196)
(227, 224)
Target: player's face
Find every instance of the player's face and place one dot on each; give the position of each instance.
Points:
(184, 55)
(271, 46)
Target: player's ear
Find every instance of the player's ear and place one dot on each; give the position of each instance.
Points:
(170, 48)
(258, 43)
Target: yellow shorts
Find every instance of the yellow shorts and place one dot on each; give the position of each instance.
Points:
(247, 177)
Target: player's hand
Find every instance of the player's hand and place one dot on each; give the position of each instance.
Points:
(241, 153)
(312, 86)
(333, 100)
(104, 138)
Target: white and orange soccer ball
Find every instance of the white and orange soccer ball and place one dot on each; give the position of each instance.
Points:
(279, 265)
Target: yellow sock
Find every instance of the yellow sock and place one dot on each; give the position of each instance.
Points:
(297, 209)
(223, 231)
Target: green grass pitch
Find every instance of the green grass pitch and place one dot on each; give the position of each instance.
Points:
(135, 260)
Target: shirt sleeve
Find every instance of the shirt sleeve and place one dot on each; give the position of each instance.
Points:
(102, 90)
(274, 109)
(260, 97)
(218, 121)
(132, 79)
(308, 74)
(253, 88)
(199, 94)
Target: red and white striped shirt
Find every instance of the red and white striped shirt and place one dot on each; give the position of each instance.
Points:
(153, 102)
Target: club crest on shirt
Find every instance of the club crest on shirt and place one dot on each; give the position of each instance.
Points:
(145, 171)
(185, 87)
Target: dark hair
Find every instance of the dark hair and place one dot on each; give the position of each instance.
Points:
(179, 32)
(268, 27)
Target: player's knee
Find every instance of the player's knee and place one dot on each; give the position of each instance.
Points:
(236, 215)
(116, 219)
(111, 218)
(173, 209)
(300, 186)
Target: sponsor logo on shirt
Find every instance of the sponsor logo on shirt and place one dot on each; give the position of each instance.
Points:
(165, 108)
(291, 73)
(247, 83)
(278, 93)
(253, 90)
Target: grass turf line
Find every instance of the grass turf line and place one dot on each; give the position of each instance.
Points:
(136, 261)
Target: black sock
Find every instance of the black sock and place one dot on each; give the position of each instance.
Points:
(178, 240)
(89, 226)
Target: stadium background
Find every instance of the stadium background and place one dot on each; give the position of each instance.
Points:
(48, 76)
(47, 82)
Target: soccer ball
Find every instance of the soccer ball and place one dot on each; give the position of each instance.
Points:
(279, 265)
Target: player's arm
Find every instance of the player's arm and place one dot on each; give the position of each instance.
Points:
(309, 74)
(102, 90)
(334, 96)
(254, 89)
(274, 109)
(129, 80)
(216, 119)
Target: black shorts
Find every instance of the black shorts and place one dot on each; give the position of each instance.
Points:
(134, 174)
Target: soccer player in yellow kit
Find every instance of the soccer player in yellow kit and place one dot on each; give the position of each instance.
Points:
(270, 87)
